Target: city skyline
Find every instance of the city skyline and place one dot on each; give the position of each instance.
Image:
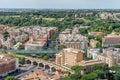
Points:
(61, 4)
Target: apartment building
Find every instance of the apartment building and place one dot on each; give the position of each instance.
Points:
(38, 37)
(93, 53)
(75, 41)
(38, 30)
(7, 65)
(88, 64)
(69, 57)
(111, 40)
(111, 56)
(72, 39)
(36, 44)
(107, 58)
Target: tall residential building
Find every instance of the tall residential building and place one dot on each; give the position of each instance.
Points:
(69, 57)
(7, 65)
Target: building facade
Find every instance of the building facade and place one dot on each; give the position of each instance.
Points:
(69, 57)
(107, 59)
(7, 65)
(93, 53)
(75, 41)
(111, 40)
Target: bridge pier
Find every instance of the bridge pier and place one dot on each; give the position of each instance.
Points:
(31, 62)
(44, 64)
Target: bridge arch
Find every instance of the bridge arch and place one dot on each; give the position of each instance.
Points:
(47, 67)
(53, 69)
(28, 62)
(41, 65)
(35, 63)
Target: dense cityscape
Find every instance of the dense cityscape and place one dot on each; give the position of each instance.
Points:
(59, 44)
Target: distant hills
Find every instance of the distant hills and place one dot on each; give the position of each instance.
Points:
(33, 9)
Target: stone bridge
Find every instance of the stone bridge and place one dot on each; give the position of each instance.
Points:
(45, 64)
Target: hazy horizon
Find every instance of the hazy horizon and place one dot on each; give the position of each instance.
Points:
(61, 4)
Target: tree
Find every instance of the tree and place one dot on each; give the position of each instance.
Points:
(6, 35)
(77, 21)
(21, 47)
(77, 68)
(46, 57)
(117, 75)
(62, 46)
(83, 31)
(75, 76)
(117, 46)
(113, 72)
(99, 38)
(21, 60)
(68, 78)
(115, 68)
(100, 73)
(97, 67)
(98, 45)
(89, 37)
(10, 78)
(90, 76)
(53, 37)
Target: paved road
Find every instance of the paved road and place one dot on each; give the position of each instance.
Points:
(30, 69)
(25, 71)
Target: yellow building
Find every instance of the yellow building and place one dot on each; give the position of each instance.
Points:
(69, 57)
(108, 58)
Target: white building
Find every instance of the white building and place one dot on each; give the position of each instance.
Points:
(93, 53)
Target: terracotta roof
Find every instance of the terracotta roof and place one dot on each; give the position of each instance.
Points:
(88, 63)
(36, 76)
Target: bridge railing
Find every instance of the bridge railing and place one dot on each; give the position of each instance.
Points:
(51, 63)
(30, 51)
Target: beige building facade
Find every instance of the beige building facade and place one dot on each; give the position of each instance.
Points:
(69, 57)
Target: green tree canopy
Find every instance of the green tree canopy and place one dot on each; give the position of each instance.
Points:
(21, 47)
(75, 76)
(90, 76)
(100, 73)
(99, 38)
(77, 68)
(117, 75)
(10, 78)
(83, 31)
